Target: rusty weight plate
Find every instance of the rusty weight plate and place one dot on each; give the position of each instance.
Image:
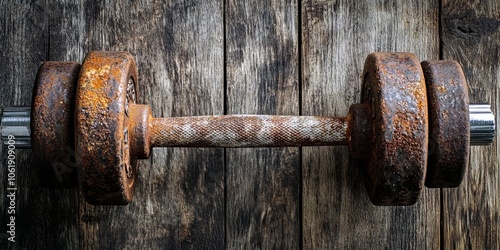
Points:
(448, 101)
(52, 124)
(395, 168)
(107, 84)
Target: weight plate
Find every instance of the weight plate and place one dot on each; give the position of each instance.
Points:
(448, 100)
(395, 168)
(106, 87)
(52, 124)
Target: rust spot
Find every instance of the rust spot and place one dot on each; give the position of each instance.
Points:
(439, 88)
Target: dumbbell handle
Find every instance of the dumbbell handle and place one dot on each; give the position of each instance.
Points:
(245, 130)
(248, 131)
(281, 131)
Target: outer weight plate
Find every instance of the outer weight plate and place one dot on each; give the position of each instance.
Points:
(52, 124)
(449, 123)
(395, 88)
(107, 84)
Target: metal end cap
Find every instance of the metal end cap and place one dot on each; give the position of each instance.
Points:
(15, 127)
(482, 124)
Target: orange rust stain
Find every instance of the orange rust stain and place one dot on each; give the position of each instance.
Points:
(442, 89)
(418, 90)
(93, 82)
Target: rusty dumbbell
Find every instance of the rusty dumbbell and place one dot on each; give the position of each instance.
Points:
(413, 126)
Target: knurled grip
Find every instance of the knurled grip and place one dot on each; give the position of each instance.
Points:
(248, 131)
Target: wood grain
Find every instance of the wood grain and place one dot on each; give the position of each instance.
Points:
(471, 36)
(179, 199)
(262, 78)
(283, 57)
(336, 38)
(42, 215)
(179, 49)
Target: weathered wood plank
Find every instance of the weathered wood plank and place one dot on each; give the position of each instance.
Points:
(193, 59)
(471, 36)
(179, 198)
(42, 215)
(262, 78)
(336, 38)
(179, 49)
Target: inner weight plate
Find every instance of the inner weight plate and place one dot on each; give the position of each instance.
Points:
(52, 124)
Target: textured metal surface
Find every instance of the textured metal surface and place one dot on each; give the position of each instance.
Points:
(140, 132)
(248, 131)
(448, 101)
(107, 85)
(482, 124)
(15, 127)
(395, 88)
(52, 126)
(359, 131)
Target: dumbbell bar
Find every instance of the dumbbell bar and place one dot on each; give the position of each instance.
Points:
(414, 124)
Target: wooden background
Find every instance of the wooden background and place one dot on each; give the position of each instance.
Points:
(290, 57)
